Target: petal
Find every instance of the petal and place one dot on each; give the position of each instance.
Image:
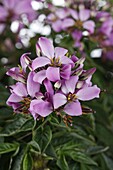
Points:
(89, 25)
(20, 89)
(3, 13)
(68, 22)
(2, 27)
(88, 93)
(13, 99)
(73, 109)
(46, 47)
(53, 74)
(62, 13)
(84, 14)
(71, 83)
(32, 86)
(74, 14)
(64, 88)
(23, 6)
(40, 76)
(66, 60)
(48, 86)
(59, 100)
(15, 74)
(57, 25)
(25, 61)
(10, 4)
(43, 108)
(40, 62)
(60, 52)
(66, 72)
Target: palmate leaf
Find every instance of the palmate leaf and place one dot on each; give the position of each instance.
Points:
(43, 137)
(8, 147)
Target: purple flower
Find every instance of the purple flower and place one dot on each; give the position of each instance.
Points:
(18, 73)
(59, 65)
(70, 96)
(52, 82)
(22, 94)
(11, 10)
(81, 20)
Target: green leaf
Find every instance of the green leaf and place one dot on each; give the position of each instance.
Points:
(108, 161)
(8, 147)
(14, 126)
(51, 151)
(96, 150)
(81, 157)
(18, 159)
(27, 162)
(28, 125)
(43, 137)
(62, 163)
(35, 146)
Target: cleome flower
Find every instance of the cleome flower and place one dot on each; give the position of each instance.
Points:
(53, 82)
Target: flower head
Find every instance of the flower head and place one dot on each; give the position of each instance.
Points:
(54, 82)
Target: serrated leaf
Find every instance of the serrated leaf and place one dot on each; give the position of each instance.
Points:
(27, 162)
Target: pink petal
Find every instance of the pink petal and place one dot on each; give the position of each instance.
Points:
(73, 109)
(25, 61)
(3, 13)
(40, 62)
(84, 14)
(20, 90)
(53, 74)
(47, 47)
(59, 100)
(48, 86)
(60, 52)
(2, 27)
(89, 25)
(88, 93)
(66, 60)
(24, 6)
(62, 13)
(10, 4)
(57, 25)
(43, 108)
(32, 86)
(74, 14)
(40, 76)
(13, 99)
(66, 72)
(71, 83)
(68, 22)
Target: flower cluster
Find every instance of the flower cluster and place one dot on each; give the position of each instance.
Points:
(84, 23)
(52, 82)
(11, 10)
(73, 21)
